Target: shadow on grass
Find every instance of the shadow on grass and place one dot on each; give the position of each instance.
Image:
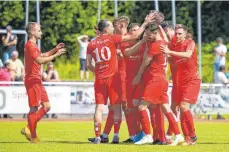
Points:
(67, 142)
(213, 143)
(14, 142)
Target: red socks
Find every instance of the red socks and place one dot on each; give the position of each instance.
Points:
(145, 122)
(189, 122)
(109, 122)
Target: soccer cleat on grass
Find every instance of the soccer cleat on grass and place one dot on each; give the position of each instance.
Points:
(26, 132)
(189, 141)
(97, 140)
(168, 139)
(161, 143)
(128, 141)
(34, 140)
(115, 140)
(177, 140)
(156, 141)
(103, 140)
(139, 136)
(147, 139)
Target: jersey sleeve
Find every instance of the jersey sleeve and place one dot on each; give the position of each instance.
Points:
(190, 45)
(116, 38)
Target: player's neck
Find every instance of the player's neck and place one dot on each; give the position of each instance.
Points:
(33, 40)
(123, 31)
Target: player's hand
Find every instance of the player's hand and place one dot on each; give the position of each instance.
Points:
(60, 45)
(119, 53)
(60, 52)
(136, 80)
(150, 18)
(164, 48)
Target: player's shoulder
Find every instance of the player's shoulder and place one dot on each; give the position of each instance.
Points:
(189, 41)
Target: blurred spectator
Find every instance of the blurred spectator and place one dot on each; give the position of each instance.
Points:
(220, 53)
(220, 76)
(50, 75)
(5, 75)
(17, 67)
(9, 43)
(83, 43)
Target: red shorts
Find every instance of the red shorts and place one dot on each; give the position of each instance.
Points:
(36, 92)
(133, 91)
(188, 92)
(156, 92)
(105, 88)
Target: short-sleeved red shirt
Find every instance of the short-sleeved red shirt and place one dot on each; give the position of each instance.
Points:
(103, 51)
(186, 68)
(32, 68)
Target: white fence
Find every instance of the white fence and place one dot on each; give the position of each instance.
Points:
(78, 98)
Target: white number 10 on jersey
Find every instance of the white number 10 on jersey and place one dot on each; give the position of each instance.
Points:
(100, 56)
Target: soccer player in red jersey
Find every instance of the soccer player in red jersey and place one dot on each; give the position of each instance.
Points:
(103, 51)
(37, 94)
(188, 81)
(155, 86)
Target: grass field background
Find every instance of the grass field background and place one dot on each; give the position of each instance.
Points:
(70, 136)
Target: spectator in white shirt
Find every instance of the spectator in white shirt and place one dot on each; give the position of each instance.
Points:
(220, 76)
(220, 52)
(83, 43)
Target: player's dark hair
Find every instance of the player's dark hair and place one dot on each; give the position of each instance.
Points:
(102, 24)
(132, 25)
(152, 27)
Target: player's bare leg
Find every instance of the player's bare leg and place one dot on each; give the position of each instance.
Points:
(117, 122)
(97, 122)
(187, 124)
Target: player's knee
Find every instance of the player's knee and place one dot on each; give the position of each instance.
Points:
(142, 107)
(184, 106)
(46, 106)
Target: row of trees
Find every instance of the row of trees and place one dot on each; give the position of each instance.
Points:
(63, 21)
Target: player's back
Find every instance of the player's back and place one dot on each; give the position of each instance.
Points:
(32, 68)
(158, 64)
(103, 51)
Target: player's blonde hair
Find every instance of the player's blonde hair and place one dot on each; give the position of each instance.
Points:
(29, 27)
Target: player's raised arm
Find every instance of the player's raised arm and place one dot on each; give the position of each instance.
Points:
(45, 59)
(51, 52)
(132, 50)
(148, 19)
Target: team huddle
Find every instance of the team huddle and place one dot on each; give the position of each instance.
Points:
(130, 70)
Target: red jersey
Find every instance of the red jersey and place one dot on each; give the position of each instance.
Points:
(187, 68)
(103, 51)
(157, 67)
(32, 68)
(133, 62)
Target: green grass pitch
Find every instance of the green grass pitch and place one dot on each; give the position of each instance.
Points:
(70, 136)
